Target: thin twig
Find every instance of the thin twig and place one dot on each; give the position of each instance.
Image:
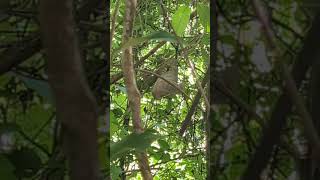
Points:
(166, 80)
(118, 76)
(113, 21)
(193, 107)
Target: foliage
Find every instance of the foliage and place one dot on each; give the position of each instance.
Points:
(172, 155)
(132, 142)
(256, 84)
(28, 126)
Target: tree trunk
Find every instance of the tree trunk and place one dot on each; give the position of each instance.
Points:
(76, 106)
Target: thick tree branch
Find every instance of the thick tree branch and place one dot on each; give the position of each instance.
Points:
(113, 21)
(131, 85)
(210, 145)
(187, 120)
(314, 164)
(271, 134)
(13, 56)
(290, 85)
(76, 106)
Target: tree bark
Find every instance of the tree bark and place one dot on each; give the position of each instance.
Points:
(131, 85)
(211, 159)
(315, 104)
(76, 106)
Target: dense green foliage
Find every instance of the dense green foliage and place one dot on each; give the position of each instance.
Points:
(170, 156)
(253, 78)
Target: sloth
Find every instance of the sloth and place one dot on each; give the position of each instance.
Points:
(161, 88)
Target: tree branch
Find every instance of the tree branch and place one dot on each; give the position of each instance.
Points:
(76, 105)
(131, 85)
(271, 134)
(187, 120)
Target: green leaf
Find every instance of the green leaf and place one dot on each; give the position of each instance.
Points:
(204, 15)
(117, 112)
(8, 127)
(157, 156)
(36, 115)
(227, 39)
(26, 161)
(103, 155)
(115, 172)
(41, 87)
(4, 79)
(6, 169)
(120, 100)
(133, 142)
(121, 88)
(158, 35)
(180, 19)
(163, 144)
(114, 126)
(165, 157)
(206, 39)
(162, 36)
